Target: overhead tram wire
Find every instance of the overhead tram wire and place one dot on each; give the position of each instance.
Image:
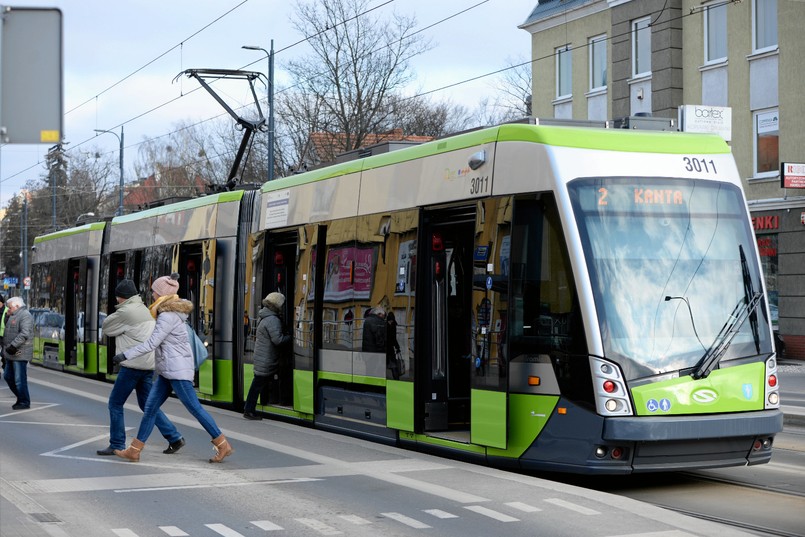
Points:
(428, 92)
(183, 94)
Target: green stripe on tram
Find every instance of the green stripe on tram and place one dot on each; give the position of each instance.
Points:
(194, 203)
(95, 226)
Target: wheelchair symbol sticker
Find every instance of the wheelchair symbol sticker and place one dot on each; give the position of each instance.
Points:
(652, 405)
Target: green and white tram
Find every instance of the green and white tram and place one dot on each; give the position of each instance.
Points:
(555, 298)
(567, 299)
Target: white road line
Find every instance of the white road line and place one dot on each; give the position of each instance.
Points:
(408, 521)
(123, 532)
(354, 519)
(26, 411)
(524, 507)
(572, 506)
(220, 485)
(319, 526)
(491, 514)
(173, 531)
(670, 533)
(54, 530)
(266, 525)
(438, 513)
(220, 529)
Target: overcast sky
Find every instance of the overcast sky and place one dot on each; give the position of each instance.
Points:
(120, 59)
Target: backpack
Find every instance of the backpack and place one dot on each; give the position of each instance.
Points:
(197, 346)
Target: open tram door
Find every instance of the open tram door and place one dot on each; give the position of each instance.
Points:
(279, 275)
(465, 386)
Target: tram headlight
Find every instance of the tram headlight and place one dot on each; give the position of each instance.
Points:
(774, 398)
(612, 405)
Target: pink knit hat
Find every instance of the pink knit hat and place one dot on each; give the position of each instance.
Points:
(166, 285)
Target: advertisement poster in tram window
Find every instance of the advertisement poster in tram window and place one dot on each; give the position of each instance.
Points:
(349, 273)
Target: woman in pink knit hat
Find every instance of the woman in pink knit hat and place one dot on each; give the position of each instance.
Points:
(175, 368)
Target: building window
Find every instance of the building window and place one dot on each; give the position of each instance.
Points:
(598, 62)
(563, 72)
(767, 142)
(715, 33)
(764, 20)
(641, 47)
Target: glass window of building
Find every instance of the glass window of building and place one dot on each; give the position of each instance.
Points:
(767, 142)
(715, 28)
(641, 47)
(563, 72)
(765, 24)
(598, 62)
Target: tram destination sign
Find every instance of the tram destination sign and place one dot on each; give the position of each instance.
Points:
(792, 175)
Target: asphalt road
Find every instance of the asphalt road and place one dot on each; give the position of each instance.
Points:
(283, 478)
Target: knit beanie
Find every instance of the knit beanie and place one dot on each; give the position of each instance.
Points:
(126, 289)
(166, 285)
(274, 299)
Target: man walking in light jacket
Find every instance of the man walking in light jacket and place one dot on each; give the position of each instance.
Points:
(130, 325)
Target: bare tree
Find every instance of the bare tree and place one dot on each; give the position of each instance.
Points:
(358, 63)
(512, 89)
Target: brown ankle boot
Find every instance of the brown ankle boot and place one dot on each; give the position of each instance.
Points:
(132, 453)
(222, 448)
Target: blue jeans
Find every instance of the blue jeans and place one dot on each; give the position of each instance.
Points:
(141, 380)
(187, 395)
(16, 375)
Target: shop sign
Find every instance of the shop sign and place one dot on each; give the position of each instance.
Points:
(762, 223)
(792, 175)
(706, 119)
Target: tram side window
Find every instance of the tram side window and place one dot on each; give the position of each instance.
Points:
(546, 317)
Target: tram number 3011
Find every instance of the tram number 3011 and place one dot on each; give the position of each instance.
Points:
(479, 185)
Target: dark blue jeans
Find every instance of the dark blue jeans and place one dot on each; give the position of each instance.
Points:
(187, 395)
(128, 380)
(16, 375)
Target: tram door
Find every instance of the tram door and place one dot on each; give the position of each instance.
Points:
(279, 275)
(75, 311)
(448, 324)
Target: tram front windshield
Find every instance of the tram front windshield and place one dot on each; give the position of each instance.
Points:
(671, 261)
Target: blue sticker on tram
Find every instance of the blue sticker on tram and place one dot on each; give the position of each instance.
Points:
(489, 282)
(747, 391)
(665, 405)
(652, 405)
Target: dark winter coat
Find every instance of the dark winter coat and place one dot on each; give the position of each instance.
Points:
(271, 343)
(374, 333)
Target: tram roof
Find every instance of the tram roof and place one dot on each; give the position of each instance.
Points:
(622, 140)
(95, 226)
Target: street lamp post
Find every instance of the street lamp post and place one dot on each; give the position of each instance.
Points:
(270, 56)
(119, 139)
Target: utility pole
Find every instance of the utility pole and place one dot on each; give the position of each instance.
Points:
(270, 57)
(120, 140)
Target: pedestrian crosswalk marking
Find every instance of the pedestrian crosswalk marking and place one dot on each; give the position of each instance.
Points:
(266, 525)
(354, 519)
(173, 531)
(524, 507)
(319, 526)
(220, 529)
(572, 506)
(123, 532)
(408, 521)
(438, 513)
(491, 513)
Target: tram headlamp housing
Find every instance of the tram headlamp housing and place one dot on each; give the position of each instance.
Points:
(772, 384)
(611, 395)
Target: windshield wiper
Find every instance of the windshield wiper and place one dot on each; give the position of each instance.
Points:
(743, 309)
